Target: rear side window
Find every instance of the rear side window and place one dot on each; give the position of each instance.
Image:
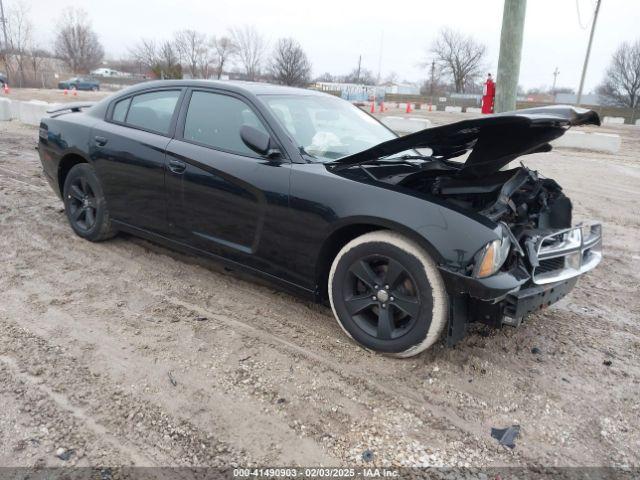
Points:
(120, 110)
(153, 111)
(215, 120)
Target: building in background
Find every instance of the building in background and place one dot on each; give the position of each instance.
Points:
(401, 88)
(587, 99)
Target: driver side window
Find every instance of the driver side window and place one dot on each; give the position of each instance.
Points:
(215, 120)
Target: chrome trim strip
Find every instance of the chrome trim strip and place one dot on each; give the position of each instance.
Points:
(581, 246)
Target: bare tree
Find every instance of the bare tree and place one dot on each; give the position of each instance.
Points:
(194, 51)
(392, 77)
(621, 86)
(251, 47)
(145, 53)
(361, 76)
(76, 42)
(15, 55)
(162, 60)
(224, 49)
(326, 77)
(458, 56)
(39, 62)
(289, 64)
(168, 65)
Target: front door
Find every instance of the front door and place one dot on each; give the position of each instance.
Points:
(222, 197)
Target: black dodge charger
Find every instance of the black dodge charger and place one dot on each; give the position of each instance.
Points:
(409, 238)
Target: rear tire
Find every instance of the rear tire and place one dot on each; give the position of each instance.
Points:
(85, 205)
(387, 294)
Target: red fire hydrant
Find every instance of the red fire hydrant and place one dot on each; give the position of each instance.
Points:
(488, 95)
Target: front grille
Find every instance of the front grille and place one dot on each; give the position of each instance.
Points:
(567, 253)
(550, 265)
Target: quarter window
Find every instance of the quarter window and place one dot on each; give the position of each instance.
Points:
(153, 111)
(120, 110)
(215, 120)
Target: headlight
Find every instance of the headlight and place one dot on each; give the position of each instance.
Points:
(491, 257)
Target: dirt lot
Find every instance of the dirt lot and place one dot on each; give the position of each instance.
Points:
(53, 95)
(125, 353)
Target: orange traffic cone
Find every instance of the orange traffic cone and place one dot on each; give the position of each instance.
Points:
(75, 92)
(429, 106)
(6, 89)
(66, 92)
(381, 107)
(408, 110)
(373, 107)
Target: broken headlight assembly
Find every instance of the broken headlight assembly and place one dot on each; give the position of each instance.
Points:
(489, 260)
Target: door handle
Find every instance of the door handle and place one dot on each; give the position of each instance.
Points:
(177, 166)
(100, 141)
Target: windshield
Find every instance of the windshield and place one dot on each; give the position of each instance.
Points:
(325, 127)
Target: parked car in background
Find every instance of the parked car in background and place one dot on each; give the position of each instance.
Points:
(317, 196)
(80, 83)
(3, 79)
(108, 72)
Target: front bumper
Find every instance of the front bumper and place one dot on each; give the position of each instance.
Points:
(536, 297)
(551, 267)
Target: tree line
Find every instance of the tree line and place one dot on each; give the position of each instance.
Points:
(453, 62)
(187, 52)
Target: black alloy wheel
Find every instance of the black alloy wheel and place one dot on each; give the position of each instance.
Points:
(387, 294)
(382, 297)
(85, 205)
(82, 204)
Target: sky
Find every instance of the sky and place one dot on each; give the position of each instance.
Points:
(395, 35)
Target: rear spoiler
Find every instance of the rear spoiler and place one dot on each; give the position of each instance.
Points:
(71, 107)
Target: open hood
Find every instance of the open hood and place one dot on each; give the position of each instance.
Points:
(494, 140)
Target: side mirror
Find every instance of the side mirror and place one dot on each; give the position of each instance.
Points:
(258, 141)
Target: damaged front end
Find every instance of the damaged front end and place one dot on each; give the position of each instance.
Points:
(538, 254)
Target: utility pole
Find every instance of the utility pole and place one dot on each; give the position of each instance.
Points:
(433, 77)
(586, 58)
(3, 20)
(359, 64)
(380, 57)
(556, 72)
(513, 17)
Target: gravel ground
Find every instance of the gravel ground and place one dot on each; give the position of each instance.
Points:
(125, 353)
(53, 95)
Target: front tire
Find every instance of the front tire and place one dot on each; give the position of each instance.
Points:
(85, 205)
(387, 294)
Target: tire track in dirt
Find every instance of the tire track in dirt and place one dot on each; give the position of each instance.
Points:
(124, 449)
(562, 422)
(408, 394)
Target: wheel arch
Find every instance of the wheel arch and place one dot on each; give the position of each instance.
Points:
(67, 162)
(349, 229)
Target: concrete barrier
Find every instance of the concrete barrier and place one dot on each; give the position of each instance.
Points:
(598, 142)
(638, 122)
(614, 120)
(474, 110)
(404, 125)
(449, 108)
(32, 111)
(15, 109)
(5, 109)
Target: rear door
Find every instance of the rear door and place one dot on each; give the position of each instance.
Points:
(222, 197)
(128, 150)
